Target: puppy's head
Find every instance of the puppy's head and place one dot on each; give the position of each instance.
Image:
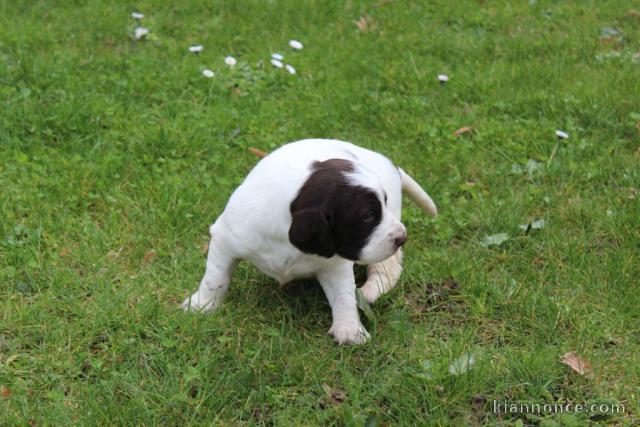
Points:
(341, 209)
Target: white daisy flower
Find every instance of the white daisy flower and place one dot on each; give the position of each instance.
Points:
(196, 49)
(140, 32)
(443, 78)
(290, 69)
(277, 56)
(208, 73)
(276, 63)
(137, 15)
(295, 44)
(230, 61)
(562, 134)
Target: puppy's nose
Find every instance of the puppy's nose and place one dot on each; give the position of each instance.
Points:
(400, 240)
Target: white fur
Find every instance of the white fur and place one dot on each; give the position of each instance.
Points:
(255, 225)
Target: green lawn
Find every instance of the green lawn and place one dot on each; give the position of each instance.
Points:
(116, 155)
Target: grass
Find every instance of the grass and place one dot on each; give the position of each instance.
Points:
(117, 154)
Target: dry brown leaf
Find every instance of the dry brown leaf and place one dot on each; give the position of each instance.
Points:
(462, 131)
(257, 152)
(335, 396)
(149, 256)
(633, 13)
(5, 392)
(64, 252)
(576, 363)
(365, 23)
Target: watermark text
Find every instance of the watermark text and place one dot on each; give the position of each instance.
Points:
(506, 407)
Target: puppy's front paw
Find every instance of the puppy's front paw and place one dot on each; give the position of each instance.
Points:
(349, 333)
(198, 303)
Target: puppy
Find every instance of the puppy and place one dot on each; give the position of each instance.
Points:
(314, 208)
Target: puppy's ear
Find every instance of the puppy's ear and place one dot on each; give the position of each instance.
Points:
(310, 232)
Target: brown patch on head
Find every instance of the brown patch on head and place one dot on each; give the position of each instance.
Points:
(327, 174)
(332, 215)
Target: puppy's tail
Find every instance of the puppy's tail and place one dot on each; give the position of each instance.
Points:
(420, 197)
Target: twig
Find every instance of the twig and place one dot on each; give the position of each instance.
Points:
(258, 153)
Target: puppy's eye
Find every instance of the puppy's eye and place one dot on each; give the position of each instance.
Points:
(367, 218)
(385, 199)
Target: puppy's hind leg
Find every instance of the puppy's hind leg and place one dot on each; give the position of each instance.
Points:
(382, 277)
(215, 283)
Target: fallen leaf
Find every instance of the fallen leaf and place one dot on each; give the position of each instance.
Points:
(335, 396)
(5, 392)
(494, 240)
(149, 256)
(64, 252)
(572, 360)
(462, 131)
(532, 225)
(633, 13)
(462, 364)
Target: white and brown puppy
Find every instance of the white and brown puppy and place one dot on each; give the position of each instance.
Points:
(313, 208)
